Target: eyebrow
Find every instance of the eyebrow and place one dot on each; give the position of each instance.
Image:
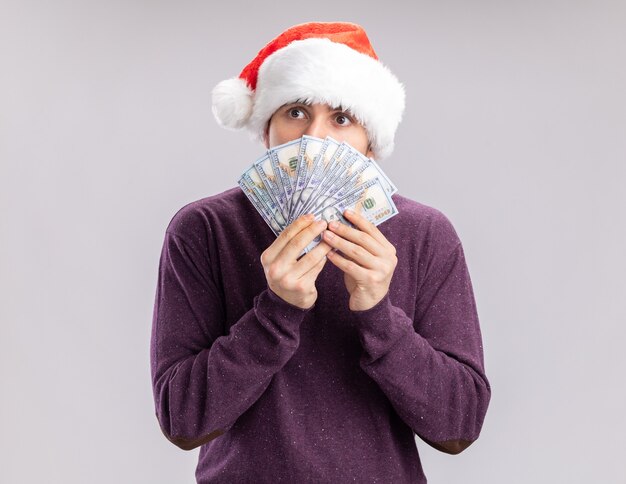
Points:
(304, 102)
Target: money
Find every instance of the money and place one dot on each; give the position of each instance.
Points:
(319, 176)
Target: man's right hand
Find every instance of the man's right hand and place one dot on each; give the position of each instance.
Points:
(291, 279)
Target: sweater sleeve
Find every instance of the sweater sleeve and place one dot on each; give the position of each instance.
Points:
(203, 379)
(431, 369)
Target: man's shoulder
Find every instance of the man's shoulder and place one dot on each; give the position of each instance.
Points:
(198, 215)
(422, 221)
(415, 209)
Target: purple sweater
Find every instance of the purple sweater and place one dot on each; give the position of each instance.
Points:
(275, 393)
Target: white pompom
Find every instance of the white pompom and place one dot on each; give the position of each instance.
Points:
(232, 103)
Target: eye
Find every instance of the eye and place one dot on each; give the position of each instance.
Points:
(295, 113)
(343, 119)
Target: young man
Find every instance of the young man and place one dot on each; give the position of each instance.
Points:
(296, 370)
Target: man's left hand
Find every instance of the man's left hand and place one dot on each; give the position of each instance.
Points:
(368, 260)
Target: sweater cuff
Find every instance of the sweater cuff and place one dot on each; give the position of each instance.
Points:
(277, 309)
(380, 327)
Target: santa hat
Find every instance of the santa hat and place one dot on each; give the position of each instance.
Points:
(318, 62)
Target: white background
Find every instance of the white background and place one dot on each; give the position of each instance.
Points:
(515, 128)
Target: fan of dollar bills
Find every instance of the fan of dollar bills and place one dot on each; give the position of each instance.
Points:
(319, 176)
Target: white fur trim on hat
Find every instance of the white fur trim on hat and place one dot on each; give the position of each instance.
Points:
(318, 70)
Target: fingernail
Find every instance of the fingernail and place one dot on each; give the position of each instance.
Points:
(350, 211)
(334, 224)
(329, 234)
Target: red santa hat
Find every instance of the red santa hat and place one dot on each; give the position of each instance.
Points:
(318, 62)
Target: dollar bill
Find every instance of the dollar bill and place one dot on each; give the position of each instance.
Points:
(284, 161)
(272, 181)
(370, 200)
(375, 168)
(312, 173)
(323, 176)
(265, 214)
(253, 180)
(319, 176)
(310, 148)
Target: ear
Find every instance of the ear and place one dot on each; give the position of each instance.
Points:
(266, 135)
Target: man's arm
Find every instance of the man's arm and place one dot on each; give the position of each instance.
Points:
(202, 379)
(432, 369)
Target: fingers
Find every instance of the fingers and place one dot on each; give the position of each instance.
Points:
(353, 251)
(312, 274)
(312, 259)
(358, 237)
(303, 238)
(368, 227)
(285, 236)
